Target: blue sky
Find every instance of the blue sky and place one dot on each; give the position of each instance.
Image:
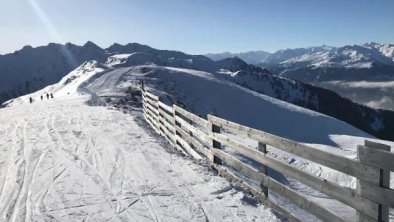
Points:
(196, 26)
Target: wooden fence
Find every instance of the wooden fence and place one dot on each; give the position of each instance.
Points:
(202, 138)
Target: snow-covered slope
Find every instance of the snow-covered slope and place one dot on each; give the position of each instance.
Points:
(347, 66)
(62, 160)
(68, 84)
(203, 93)
(349, 56)
(31, 69)
(249, 76)
(107, 151)
(336, 67)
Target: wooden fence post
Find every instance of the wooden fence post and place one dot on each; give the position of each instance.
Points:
(263, 148)
(144, 107)
(176, 133)
(383, 180)
(173, 125)
(143, 100)
(160, 119)
(215, 144)
(156, 116)
(191, 134)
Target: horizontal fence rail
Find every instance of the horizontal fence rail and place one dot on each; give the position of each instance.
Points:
(205, 138)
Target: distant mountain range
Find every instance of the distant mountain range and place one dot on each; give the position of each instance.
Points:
(346, 70)
(349, 56)
(252, 57)
(31, 69)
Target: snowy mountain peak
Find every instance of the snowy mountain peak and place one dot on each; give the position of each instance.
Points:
(349, 56)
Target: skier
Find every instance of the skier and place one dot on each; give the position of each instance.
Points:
(51, 96)
(42, 97)
(47, 96)
(31, 100)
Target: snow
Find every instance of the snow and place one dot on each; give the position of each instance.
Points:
(67, 85)
(136, 58)
(69, 159)
(30, 69)
(349, 56)
(203, 93)
(117, 59)
(62, 160)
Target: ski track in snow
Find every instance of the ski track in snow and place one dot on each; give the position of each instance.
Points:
(62, 160)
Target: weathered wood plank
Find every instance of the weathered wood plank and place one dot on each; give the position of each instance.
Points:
(149, 119)
(293, 196)
(201, 148)
(361, 216)
(235, 180)
(169, 118)
(153, 104)
(382, 190)
(239, 165)
(301, 201)
(150, 101)
(152, 112)
(196, 119)
(152, 109)
(340, 163)
(381, 195)
(196, 132)
(174, 123)
(169, 136)
(378, 158)
(165, 107)
(154, 124)
(343, 194)
(264, 169)
(153, 119)
(215, 144)
(169, 124)
(143, 96)
(148, 94)
(187, 147)
(153, 115)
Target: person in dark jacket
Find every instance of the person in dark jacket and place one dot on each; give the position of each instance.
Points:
(51, 96)
(42, 97)
(47, 96)
(31, 100)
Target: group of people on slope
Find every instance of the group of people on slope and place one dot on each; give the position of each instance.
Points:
(48, 95)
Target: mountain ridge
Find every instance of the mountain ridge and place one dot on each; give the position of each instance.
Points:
(258, 79)
(340, 69)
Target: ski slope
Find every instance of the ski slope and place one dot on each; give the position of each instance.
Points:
(69, 84)
(62, 160)
(69, 159)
